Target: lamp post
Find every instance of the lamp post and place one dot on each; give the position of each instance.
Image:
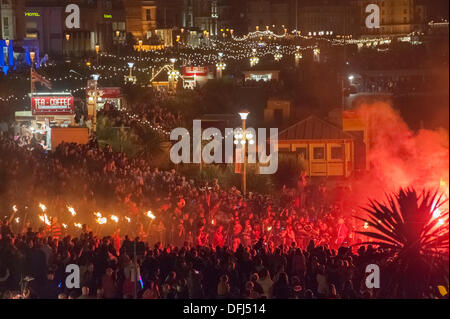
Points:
(67, 44)
(298, 56)
(173, 74)
(97, 50)
(95, 77)
(130, 78)
(7, 51)
(254, 60)
(140, 49)
(243, 138)
(277, 56)
(32, 57)
(118, 42)
(316, 52)
(220, 66)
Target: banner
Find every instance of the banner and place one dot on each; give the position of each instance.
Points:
(52, 105)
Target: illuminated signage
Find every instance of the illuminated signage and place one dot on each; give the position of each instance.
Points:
(107, 16)
(31, 36)
(32, 14)
(195, 71)
(52, 105)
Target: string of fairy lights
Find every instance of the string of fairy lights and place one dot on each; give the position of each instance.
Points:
(254, 45)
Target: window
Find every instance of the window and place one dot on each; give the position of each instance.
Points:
(148, 14)
(337, 153)
(319, 153)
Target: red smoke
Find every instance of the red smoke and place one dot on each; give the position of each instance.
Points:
(399, 157)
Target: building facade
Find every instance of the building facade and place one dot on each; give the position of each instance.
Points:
(102, 24)
(140, 18)
(272, 14)
(336, 17)
(396, 16)
(12, 19)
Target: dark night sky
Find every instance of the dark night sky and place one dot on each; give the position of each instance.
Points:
(437, 8)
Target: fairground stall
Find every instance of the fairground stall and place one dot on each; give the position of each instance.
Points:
(51, 115)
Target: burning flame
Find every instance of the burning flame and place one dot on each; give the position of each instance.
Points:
(115, 218)
(45, 219)
(128, 219)
(100, 219)
(77, 225)
(269, 228)
(366, 225)
(43, 207)
(14, 208)
(64, 225)
(17, 219)
(71, 210)
(150, 215)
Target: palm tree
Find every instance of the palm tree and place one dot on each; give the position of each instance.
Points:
(150, 140)
(412, 232)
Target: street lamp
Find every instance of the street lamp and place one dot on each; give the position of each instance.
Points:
(130, 78)
(67, 44)
(7, 42)
(97, 50)
(140, 49)
(242, 138)
(220, 65)
(278, 54)
(298, 56)
(118, 41)
(316, 52)
(32, 57)
(95, 77)
(254, 60)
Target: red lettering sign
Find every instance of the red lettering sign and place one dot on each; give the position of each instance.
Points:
(52, 105)
(195, 70)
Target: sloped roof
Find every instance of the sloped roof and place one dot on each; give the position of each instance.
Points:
(313, 128)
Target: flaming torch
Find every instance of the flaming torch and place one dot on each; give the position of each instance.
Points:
(44, 218)
(150, 215)
(71, 210)
(43, 207)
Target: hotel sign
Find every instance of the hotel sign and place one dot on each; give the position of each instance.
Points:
(32, 14)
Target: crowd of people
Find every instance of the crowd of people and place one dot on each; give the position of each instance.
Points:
(32, 266)
(157, 117)
(296, 237)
